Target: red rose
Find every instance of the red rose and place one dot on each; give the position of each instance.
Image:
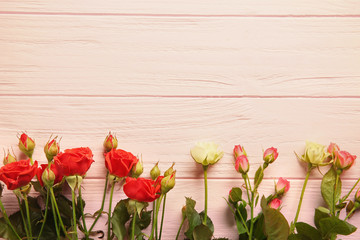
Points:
(75, 161)
(18, 174)
(119, 162)
(141, 189)
(54, 168)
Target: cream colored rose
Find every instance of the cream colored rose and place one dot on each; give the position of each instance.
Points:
(316, 154)
(206, 153)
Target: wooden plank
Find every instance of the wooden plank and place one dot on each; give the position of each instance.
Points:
(201, 7)
(164, 129)
(189, 56)
(217, 209)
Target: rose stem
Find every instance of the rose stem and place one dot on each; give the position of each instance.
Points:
(28, 214)
(251, 202)
(352, 189)
(46, 212)
(334, 193)
(110, 203)
(162, 216)
(82, 215)
(158, 203)
(301, 198)
(8, 220)
(23, 217)
(181, 224)
(102, 204)
(55, 218)
(206, 194)
(75, 236)
(133, 226)
(58, 212)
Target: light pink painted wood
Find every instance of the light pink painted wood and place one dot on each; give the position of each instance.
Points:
(168, 56)
(200, 7)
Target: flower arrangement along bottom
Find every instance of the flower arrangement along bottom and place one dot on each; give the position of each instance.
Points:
(63, 218)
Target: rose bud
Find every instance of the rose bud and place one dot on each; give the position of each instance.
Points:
(51, 149)
(238, 151)
(155, 172)
(282, 186)
(168, 183)
(315, 154)
(333, 148)
(357, 196)
(206, 153)
(275, 203)
(242, 164)
(137, 170)
(26, 145)
(110, 142)
(48, 177)
(169, 171)
(344, 160)
(270, 155)
(9, 158)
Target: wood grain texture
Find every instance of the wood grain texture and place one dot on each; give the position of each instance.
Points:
(171, 56)
(200, 7)
(164, 129)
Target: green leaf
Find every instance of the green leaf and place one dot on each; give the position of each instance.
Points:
(202, 232)
(320, 213)
(193, 217)
(276, 226)
(258, 176)
(5, 231)
(239, 223)
(144, 220)
(333, 225)
(331, 195)
(307, 231)
(118, 220)
(235, 195)
(259, 227)
(209, 222)
(296, 237)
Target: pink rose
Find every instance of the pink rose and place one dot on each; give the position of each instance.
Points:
(357, 196)
(333, 148)
(270, 155)
(275, 203)
(238, 151)
(344, 160)
(282, 186)
(242, 164)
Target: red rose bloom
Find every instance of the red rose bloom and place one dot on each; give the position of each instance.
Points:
(18, 174)
(141, 189)
(75, 161)
(119, 162)
(54, 168)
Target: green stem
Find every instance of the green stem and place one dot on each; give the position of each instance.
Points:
(352, 189)
(351, 211)
(58, 212)
(334, 193)
(102, 205)
(110, 205)
(243, 221)
(23, 217)
(153, 220)
(181, 224)
(156, 218)
(86, 233)
(301, 197)
(8, 220)
(162, 217)
(55, 218)
(28, 215)
(251, 211)
(133, 227)
(75, 235)
(206, 194)
(31, 160)
(154, 226)
(46, 212)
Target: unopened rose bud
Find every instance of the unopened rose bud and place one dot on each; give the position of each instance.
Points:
(238, 151)
(51, 149)
(169, 171)
(110, 142)
(26, 145)
(357, 196)
(168, 183)
(137, 170)
(242, 164)
(48, 177)
(270, 155)
(344, 160)
(282, 186)
(333, 148)
(275, 203)
(9, 158)
(155, 172)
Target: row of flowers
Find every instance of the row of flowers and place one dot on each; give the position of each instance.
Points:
(52, 215)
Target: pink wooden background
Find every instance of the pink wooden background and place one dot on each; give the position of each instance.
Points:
(163, 75)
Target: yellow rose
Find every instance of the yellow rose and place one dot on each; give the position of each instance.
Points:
(206, 153)
(315, 154)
